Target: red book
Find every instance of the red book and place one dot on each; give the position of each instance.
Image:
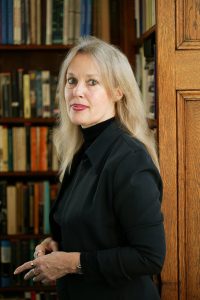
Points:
(43, 157)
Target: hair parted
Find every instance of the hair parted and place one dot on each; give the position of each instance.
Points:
(116, 72)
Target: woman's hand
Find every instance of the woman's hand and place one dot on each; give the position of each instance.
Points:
(47, 246)
(48, 268)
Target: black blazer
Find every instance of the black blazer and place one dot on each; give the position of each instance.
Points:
(112, 216)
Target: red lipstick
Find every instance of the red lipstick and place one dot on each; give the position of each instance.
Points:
(78, 107)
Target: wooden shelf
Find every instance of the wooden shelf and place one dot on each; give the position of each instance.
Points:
(148, 34)
(28, 174)
(34, 47)
(22, 236)
(36, 287)
(34, 121)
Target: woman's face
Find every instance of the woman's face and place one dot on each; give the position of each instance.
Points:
(87, 100)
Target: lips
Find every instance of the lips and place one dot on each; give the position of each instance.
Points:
(79, 107)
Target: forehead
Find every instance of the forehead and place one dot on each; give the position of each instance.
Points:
(83, 62)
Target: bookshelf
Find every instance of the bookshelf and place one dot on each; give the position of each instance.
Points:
(44, 53)
(145, 56)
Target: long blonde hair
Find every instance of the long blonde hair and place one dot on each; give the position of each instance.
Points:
(116, 72)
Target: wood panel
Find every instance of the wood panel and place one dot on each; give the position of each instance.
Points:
(188, 122)
(188, 24)
(187, 69)
(167, 139)
(178, 78)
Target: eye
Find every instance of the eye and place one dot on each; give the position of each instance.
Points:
(92, 82)
(71, 82)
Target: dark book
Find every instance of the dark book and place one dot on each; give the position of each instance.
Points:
(10, 149)
(28, 149)
(3, 208)
(114, 11)
(57, 22)
(20, 73)
(6, 95)
(5, 259)
(4, 21)
(15, 95)
(10, 22)
(33, 100)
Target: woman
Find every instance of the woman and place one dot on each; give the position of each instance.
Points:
(107, 227)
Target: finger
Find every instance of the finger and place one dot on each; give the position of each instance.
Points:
(54, 245)
(29, 275)
(39, 253)
(39, 277)
(26, 266)
(45, 282)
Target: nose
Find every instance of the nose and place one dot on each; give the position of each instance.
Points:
(79, 89)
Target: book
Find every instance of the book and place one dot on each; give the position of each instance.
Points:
(57, 22)
(33, 22)
(5, 259)
(38, 22)
(46, 93)
(65, 21)
(33, 99)
(10, 149)
(19, 149)
(46, 199)
(48, 22)
(10, 21)
(3, 208)
(43, 150)
(17, 29)
(71, 21)
(26, 96)
(5, 149)
(77, 19)
(4, 21)
(11, 210)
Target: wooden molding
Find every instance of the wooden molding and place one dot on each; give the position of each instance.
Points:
(187, 24)
(188, 139)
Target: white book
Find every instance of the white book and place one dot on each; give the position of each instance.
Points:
(49, 22)
(17, 30)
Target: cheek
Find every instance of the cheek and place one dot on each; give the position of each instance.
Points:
(67, 95)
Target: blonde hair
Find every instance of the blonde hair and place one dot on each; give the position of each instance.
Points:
(116, 72)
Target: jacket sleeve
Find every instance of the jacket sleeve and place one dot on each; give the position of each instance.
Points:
(137, 200)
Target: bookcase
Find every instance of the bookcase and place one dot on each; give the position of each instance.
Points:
(28, 166)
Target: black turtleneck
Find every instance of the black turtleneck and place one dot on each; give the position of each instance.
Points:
(89, 136)
(91, 133)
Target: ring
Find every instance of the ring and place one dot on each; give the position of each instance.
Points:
(32, 265)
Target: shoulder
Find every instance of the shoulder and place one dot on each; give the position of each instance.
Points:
(131, 149)
(132, 158)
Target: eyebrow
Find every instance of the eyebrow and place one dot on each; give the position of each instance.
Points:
(87, 75)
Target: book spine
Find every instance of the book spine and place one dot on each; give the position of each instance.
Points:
(4, 21)
(10, 150)
(11, 210)
(3, 208)
(26, 96)
(5, 148)
(46, 94)
(10, 22)
(65, 22)
(48, 22)
(5, 279)
(57, 22)
(17, 33)
(46, 207)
